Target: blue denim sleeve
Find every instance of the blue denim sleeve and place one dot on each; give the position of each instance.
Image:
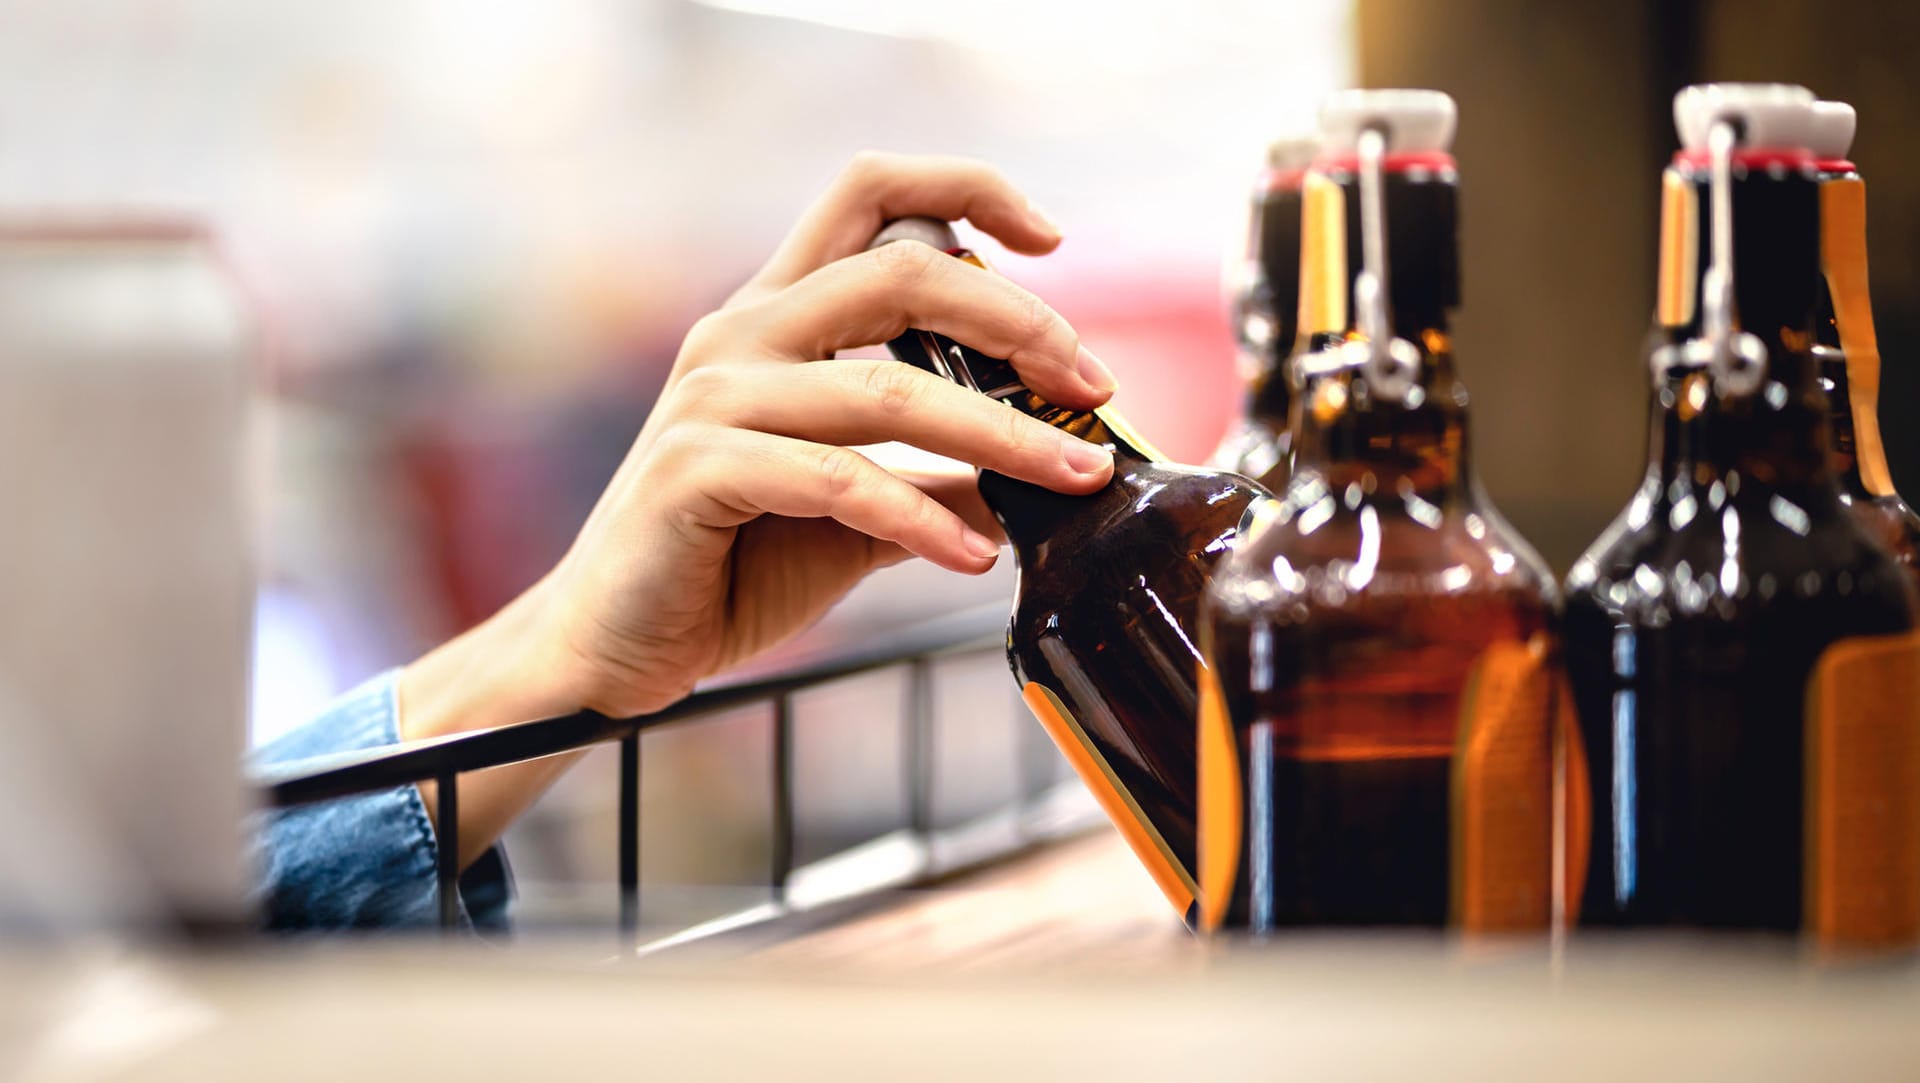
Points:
(368, 861)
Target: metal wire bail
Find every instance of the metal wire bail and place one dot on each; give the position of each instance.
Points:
(1391, 365)
(1737, 359)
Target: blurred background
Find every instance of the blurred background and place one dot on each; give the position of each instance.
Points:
(478, 230)
(472, 234)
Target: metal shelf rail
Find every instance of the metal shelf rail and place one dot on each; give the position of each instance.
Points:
(443, 760)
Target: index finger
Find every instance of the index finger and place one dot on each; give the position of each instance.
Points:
(876, 188)
(875, 296)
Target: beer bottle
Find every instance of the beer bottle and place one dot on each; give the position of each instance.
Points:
(1846, 347)
(1375, 738)
(1107, 601)
(1265, 298)
(1743, 658)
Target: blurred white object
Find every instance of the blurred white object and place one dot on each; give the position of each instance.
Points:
(59, 868)
(125, 577)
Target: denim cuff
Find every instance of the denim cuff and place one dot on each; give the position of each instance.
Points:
(369, 861)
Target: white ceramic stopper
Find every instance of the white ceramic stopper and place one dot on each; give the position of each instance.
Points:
(1414, 120)
(1776, 115)
(1292, 152)
(1833, 124)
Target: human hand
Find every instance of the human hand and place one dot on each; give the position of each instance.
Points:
(740, 513)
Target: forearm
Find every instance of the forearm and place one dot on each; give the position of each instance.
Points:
(504, 670)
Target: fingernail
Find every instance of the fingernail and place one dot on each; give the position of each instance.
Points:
(980, 545)
(1044, 219)
(1093, 371)
(1085, 458)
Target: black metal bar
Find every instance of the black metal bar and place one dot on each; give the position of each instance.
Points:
(630, 833)
(919, 746)
(326, 778)
(447, 797)
(782, 797)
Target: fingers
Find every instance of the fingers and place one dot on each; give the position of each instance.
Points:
(874, 296)
(737, 475)
(955, 486)
(868, 402)
(877, 187)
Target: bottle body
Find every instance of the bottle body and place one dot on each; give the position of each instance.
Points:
(1697, 627)
(1103, 632)
(1387, 674)
(1743, 658)
(1692, 653)
(1106, 607)
(1376, 725)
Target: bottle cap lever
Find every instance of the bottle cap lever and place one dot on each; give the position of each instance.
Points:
(1391, 365)
(1737, 359)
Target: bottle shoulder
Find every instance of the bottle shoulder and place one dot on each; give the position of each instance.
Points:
(1327, 549)
(1196, 498)
(1628, 540)
(1741, 560)
(1891, 522)
(1152, 521)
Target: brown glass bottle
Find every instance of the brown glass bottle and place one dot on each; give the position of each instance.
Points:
(1375, 731)
(1742, 656)
(1265, 303)
(1106, 606)
(1849, 354)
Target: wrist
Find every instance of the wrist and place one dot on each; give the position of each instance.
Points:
(496, 673)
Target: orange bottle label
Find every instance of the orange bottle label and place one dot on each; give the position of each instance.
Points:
(1843, 254)
(1502, 822)
(1862, 834)
(1220, 804)
(1175, 882)
(1679, 250)
(1323, 256)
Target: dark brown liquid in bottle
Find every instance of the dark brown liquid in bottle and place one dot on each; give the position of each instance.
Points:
(1102, 637)
(1349, 757)
(1382, 644)
(1695, 623)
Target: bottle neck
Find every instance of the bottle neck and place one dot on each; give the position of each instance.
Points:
(1028, 513)
(1269, 318)
(1346, 432)
(1270, 396)
(1031, 514)
(1421, 207)
(1680, 395)
(1778, 432)
(1849, 353)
